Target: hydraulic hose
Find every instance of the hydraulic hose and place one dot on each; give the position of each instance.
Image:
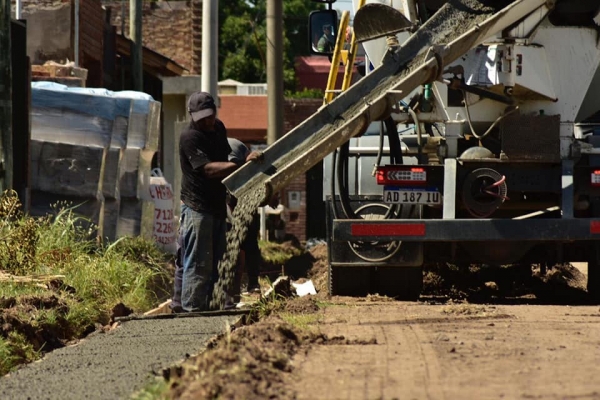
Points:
(332, 185)
(379, 151)
(394, 140)
(496, 122)
(342, 177)
(340, 169)
(415, 118)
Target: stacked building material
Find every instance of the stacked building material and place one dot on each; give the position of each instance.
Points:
(67, 74)
(93, 148)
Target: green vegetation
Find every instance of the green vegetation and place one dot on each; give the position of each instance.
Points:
(277, 254)
(301, 321)
(57, 282)
(157, 390)
(305, 94)
(242, 39)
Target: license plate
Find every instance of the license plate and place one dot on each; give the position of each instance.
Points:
(412, 196)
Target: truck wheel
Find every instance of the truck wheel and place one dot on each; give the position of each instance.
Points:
(593, 282)
(350, 281)
(402, 283)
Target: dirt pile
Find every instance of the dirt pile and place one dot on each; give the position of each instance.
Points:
(40, 322)
(561, 284)
(246, 364)
(320, 268)
(249, 363)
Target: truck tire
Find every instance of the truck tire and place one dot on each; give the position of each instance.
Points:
(350, 281)
(402, 283)
(593, 280)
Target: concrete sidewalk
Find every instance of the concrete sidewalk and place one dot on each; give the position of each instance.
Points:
(113, 365)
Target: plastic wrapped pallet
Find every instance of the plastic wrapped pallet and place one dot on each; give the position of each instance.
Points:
(94, 146)
(69, 169)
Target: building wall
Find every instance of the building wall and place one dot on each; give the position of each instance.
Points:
(295, 112)
(167, 28)
(49, 35)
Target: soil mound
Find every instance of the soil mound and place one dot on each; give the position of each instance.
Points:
(320, 268)
(301, 305)
(561, 284)
(247, 364)
(38, 320)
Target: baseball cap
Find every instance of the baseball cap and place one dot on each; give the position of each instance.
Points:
(201, 105)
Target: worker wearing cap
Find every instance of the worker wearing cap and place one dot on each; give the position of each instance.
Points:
(204, 152)
(326, 43)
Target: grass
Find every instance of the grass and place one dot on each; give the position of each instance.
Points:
(302, 321)
(7, 356)
(94, 277)
(276, 254)
(157, 390)
(266, 305)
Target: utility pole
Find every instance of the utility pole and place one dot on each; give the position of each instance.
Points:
(210, 47)
(135, 34)
(5, 98)
(275, 70)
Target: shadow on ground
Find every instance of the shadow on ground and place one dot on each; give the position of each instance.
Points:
(509, 284)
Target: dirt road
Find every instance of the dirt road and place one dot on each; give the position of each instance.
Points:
(508, 333)
(394, 350)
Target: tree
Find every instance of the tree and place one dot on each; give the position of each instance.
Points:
(242, 39)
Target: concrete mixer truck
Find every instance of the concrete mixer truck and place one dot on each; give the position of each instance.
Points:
(474, 137)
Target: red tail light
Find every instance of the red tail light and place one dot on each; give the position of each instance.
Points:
(595, 178)
(397, 175)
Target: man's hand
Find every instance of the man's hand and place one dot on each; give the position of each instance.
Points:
(256, 156)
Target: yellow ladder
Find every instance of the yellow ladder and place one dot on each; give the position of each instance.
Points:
(347, 57)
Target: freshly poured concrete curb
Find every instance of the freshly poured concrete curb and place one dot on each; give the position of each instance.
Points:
(114, 365)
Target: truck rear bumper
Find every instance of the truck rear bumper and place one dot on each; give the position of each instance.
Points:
(466, 230)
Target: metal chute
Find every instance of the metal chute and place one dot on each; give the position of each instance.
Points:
(375, 20)
(419, 60)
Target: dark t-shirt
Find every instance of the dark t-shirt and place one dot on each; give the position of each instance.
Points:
(196, 149)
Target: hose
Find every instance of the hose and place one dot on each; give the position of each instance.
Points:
(379, 151)
(496, 122)
(342, 174)
(488, 189)
(415, 118)
(394, 140)
(332, 185)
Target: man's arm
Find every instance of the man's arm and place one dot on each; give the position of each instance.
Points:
(219, 169)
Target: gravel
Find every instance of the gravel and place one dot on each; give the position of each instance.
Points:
(113, 365)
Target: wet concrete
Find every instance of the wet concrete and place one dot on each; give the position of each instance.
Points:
(116, 364)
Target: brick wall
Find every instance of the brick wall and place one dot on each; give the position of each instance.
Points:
(166, 28)
(295, 112)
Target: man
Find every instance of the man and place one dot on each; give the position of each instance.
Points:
(204, 155)
(326, 43)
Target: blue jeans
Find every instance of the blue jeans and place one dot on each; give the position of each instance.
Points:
(202, 240)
